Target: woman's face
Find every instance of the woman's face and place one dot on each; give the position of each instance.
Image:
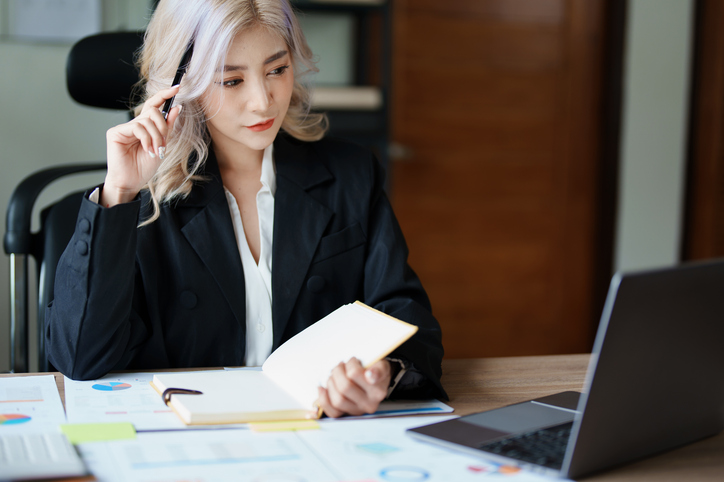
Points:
(247, 103)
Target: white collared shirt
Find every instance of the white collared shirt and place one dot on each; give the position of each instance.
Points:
(257, 278)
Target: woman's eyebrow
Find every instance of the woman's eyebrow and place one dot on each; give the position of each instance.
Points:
(276, 56)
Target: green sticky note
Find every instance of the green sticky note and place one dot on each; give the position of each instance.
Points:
(79, 433)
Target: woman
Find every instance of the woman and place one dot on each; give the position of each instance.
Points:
(251, 227)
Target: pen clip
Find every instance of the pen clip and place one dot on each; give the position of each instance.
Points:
(177, 391)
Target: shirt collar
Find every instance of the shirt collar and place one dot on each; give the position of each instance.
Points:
(268, 175)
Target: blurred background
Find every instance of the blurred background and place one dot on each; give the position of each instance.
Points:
(533, 147)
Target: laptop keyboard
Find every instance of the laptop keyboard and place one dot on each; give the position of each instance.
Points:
(545, 447)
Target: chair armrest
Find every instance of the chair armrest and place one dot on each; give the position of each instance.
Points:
(18, 238)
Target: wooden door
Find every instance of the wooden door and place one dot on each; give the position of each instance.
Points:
(498, 103)
(704, 220)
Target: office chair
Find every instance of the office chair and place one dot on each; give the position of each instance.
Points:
(100, 72)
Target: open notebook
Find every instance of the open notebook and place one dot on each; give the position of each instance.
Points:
(286, 386)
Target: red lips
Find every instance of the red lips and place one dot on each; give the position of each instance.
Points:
(262, 126)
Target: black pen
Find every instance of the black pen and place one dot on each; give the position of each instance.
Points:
(182, 66)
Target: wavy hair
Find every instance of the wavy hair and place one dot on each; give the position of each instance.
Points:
(212, 25)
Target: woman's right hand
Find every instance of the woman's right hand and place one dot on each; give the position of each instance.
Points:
(133, 149)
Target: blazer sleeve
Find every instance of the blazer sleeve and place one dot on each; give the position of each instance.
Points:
(393, 287)
(91, 325)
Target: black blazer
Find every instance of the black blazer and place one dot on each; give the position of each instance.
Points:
(171, 294)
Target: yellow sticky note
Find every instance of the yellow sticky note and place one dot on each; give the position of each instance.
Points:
(283, 426)
(96, 432)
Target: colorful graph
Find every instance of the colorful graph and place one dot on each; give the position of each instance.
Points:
(111, 386)
(404, 473)
(13, 418)
(495, 468)
(377, 448)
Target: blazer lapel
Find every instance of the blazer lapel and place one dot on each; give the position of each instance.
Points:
(299, 222)
(210, 232)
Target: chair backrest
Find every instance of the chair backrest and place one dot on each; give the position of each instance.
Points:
(100, 72)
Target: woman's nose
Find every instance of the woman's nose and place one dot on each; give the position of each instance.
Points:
(259, 97)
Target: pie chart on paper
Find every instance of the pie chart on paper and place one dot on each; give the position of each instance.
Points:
(13, 418)
(111, 386)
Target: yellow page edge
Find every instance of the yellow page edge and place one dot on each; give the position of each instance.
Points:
(389, 350)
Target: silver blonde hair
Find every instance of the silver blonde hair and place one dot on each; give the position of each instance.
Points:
(212, 25)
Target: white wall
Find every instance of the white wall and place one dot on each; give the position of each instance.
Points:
(654, 133)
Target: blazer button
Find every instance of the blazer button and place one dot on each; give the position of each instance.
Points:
(81, 247)
(84, 226)
(315, 284)
(188, 299)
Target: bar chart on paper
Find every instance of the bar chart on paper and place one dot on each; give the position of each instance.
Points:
(206, 456)
(116, 397)
(30, 404)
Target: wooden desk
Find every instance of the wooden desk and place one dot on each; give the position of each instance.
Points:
(486, 383)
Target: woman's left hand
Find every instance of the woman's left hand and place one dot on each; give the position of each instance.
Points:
(352, 390)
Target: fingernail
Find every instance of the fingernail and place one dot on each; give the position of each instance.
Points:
(174, 86)
(150, 153)
(371, 376)
(180, 106)
(161, 152)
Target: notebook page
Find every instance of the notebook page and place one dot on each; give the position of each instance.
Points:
(354, 330)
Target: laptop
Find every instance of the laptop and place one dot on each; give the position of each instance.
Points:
(654, 382)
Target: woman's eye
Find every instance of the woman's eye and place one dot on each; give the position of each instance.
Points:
(232, 82)
(279, 70)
